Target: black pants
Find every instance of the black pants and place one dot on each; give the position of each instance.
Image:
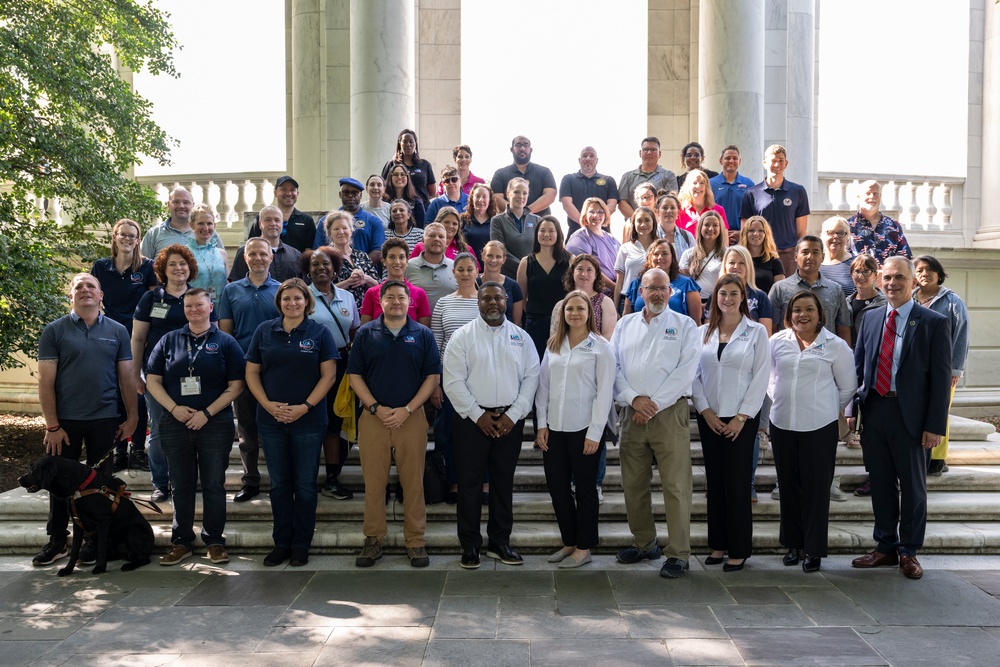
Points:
(805, 461)
(476, 453)
(728, 466)
(538, 329)
(565, 461)
(142, 423)
(245, 407)
(98, 436)
(897, 464)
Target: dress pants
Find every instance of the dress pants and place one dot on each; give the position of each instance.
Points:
(98, 435)
(727, 464)
(245, 407)
(897, 465)
(667, 437)
(940, 453)
(563, 462)
(476, 453)
(376, 444)
(804, 461)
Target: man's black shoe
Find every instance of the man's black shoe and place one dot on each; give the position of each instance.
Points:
(504, 553)
(635, 554)
(246, 493)
(673, 568)
(88, 552)
(470, 558)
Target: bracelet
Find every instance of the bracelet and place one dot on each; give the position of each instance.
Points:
(171, 412)
(408, 410)
(53, 429)
(308, 404)
(207, 413)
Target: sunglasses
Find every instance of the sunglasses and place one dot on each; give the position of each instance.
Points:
(451, 179)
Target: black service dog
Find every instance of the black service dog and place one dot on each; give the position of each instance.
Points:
(98, 507)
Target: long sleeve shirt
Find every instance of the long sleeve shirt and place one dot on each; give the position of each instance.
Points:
(734, 382)
(490, 367)
(576, 387)
(810, 387)
(657, 359)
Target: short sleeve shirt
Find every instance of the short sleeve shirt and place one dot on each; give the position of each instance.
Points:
(247, 305)
(164, 313)
(215, 358)
(122, 291)
(394, 366)
(780, 206)
(538, 178)
(579, 188)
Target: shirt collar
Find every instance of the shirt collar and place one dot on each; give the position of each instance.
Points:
(212, 328)
(76, 318)
(903, 312)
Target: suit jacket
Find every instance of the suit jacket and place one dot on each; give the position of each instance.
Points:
(923, 381)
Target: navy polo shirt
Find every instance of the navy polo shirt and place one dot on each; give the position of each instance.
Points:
(538, 178)
(439, 203)
(86, 365)
(298, 231)
(289, 366)
(247, 306)
(394, 367)
(161, 326)
(730, 196)
(218, 360)
(122, 291)
(368, 236)
(780, 207)
(579, 188)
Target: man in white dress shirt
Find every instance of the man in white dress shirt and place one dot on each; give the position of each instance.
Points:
(490, 376)
(657, 352)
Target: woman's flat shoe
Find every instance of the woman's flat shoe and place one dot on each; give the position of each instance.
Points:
(570, 563)
(810, 563)
(712, 560)
(560, 556)
(792, 557)
(734, 567)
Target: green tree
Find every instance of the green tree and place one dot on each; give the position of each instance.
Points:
(71, 129)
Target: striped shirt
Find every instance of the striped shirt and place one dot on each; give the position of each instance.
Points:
(450, 314)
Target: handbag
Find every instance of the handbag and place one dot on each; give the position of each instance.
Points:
(344, 406)
(337, 322)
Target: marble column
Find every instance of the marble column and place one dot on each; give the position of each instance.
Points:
(382, 80)
(731, 77)
(988, 232)
(306, 104)
(801, 94)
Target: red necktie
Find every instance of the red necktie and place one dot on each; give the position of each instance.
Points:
(883, 377)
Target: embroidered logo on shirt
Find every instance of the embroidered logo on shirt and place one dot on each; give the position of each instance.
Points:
(137, 278)
(671, 331)
(601, 181)
(359, 224)
(590, 343)
(307, 345)
(212, 348)
(408, 338)
(787, 202)
(344, 312)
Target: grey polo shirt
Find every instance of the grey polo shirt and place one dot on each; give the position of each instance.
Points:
(435, 279)
(163, 235)
(835, 309)
(661, 179)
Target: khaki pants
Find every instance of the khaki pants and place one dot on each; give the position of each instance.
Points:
(667, 437)
(376, 444)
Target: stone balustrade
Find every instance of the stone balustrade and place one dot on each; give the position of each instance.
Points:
(229, 194)
(925, 204)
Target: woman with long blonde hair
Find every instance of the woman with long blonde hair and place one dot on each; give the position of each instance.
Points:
(756, 236)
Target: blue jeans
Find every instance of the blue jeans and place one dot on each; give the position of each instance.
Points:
(192, 454)
(157, 461)
(292, 456)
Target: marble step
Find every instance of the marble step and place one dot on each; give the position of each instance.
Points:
(18, 505)
(250, 539)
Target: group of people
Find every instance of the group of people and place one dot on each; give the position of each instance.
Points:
(715, 295)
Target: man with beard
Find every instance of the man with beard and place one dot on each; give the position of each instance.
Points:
(657, 352)
(297, 228)
(541, 182)
(285, 264)
(490, 376)
(176, 228)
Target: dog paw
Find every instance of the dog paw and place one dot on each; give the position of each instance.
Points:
(65, 571)
(100, 569)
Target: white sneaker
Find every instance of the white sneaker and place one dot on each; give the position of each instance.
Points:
(600, 494)
(837, 495)
(775, 495)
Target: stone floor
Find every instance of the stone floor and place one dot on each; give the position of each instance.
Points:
(331, 613)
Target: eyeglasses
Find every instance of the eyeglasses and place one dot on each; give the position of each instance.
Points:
(864, 273)
(651, 149)
(451, 179)
(839, 235)
(655, 288)
(522, 145)
(128, 237)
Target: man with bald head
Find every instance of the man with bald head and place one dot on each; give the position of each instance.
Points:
(903, 361)
(576, 188)
(657, 353)
(431, 271)
(541, 182)
(176, 228)
(874, 233)
(285, 263)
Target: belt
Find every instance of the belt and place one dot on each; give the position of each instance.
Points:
(501, 410)
(889, 394)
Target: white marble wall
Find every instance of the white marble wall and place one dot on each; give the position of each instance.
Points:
(382, 80)
(307, 111)
(731, 76)
(801, 92)
(984, 96)
(337, 127)
(439, 85)
(671, 74)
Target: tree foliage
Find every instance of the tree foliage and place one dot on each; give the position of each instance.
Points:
(71, 129)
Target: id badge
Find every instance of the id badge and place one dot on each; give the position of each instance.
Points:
(191, 386)
(160, 311)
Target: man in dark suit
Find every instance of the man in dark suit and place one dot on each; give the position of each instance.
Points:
(903, 359)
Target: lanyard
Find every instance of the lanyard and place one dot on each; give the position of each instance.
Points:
(195, 357)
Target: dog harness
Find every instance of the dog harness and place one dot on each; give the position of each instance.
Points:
(114, 496)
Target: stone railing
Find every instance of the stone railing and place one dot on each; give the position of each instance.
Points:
(230, 195)
(924, 204)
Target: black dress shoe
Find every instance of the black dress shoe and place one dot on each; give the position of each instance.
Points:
(504, 553)
(712, 560)
(792, 557)
(451, 497)
(810, 563)
(470, 558)
(734, 567)
(299, 557)
(246, 493)
(277, 556)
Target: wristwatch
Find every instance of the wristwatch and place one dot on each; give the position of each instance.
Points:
(373, 407)
(742, 418)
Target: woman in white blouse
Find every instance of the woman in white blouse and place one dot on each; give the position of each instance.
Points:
(572, 407)
(703, 262)
(631, 258)
(812, 379)
(728, 392)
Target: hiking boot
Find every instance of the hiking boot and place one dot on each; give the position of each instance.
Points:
(370, 553)
(418, 556)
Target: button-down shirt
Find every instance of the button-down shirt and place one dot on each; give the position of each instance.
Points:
(576, 387)
(902, 317)
(604, 247)
(340, 315)
(734, 384)
(490, 367)
(882, 240)
(657, 359)
(810, 387)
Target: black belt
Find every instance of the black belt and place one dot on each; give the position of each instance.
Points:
(888, 394)
(501, 410)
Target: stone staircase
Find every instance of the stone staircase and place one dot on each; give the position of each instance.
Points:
(964, 507)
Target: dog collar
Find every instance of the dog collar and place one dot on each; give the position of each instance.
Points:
(90, 478)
